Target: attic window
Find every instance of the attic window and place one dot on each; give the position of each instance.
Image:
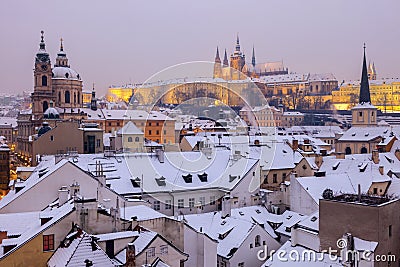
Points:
(313, 219)
(223, 222)
(135, 182)
(366, 134)
(289, 217)
(288, 229)
(336, 165)
(203, 177)
(187, 178)
(161, 181)
(241, 213)
(353, 134)
(363, 167)
(232, 177)
(258, 211)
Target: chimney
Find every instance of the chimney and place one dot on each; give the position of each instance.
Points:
(381, 170)
(295, 144)
(340, 155)
(397, 153)
(75, 189)
(160, 155)
(318, 160)
(375, 156)
(62, 195)
(130, 256)
(226, 207)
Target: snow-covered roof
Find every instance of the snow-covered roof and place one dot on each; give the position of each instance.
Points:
(8, 121)
(141, 212)
(129, 128)
(311, 222)
(364, 245)
(234, 230)
(80, 249)
(363, 134)
(142, 241)
(32, 227)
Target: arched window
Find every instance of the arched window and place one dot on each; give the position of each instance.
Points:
(44, 80)
(67, 97)
(348, 151)
(257, 241)
(45, 106)
(130, 139)
(59, 98)
(79, 98)
(137, 139)
(364, 150)
(74, 98)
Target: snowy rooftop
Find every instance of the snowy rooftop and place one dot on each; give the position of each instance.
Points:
(80, 249)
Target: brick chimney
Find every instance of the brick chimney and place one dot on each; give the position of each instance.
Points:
(295, 144)
(375, 156)
(397, 153)
(381, 170)
(130, 256)
(318, 160)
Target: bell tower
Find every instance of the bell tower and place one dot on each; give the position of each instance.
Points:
(217, 66)
(42, 92)
(364, 114)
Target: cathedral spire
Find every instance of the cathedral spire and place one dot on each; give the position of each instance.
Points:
(253, 58)
(217, 59)
(365, 96)
(237, 43)
(225, 63)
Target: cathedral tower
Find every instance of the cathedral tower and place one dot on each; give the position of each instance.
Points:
(237, 61)
(217, 66)
(42, 92)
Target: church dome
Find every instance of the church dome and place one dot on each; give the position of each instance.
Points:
(65, 73)
(51, 113)
(44, 129)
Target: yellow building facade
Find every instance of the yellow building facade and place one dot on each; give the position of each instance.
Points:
(121, 93)
(385, 95)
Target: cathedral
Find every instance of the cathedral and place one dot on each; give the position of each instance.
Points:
(238, 69)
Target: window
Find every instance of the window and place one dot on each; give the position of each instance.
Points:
(156, 205)
(165, 131)
(157, 124)
(283, 176)
(48, 242)
(130, 139)
(180, 203)
(98, 143)
(241, 264)
(168, 205)
(212, 200)
(149, 132)
(137, 139)
(390, 230)
(149, 123)
(109, 124)
(275, 178)
(375, 191)
(360, 114)
(202, 201)
(44, 80)
(157, 132)
(164, 249)
(67, 97)
(118, 124)
(51, 138)
(191, 202)
(151, 252)
(257, 241)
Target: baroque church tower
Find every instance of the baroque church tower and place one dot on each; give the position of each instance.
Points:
(42, 92)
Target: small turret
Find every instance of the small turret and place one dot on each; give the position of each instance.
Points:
(93, 101)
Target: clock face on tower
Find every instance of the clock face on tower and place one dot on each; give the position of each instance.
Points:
(44, 67)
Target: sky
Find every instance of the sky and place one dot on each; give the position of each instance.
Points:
(127, 41)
